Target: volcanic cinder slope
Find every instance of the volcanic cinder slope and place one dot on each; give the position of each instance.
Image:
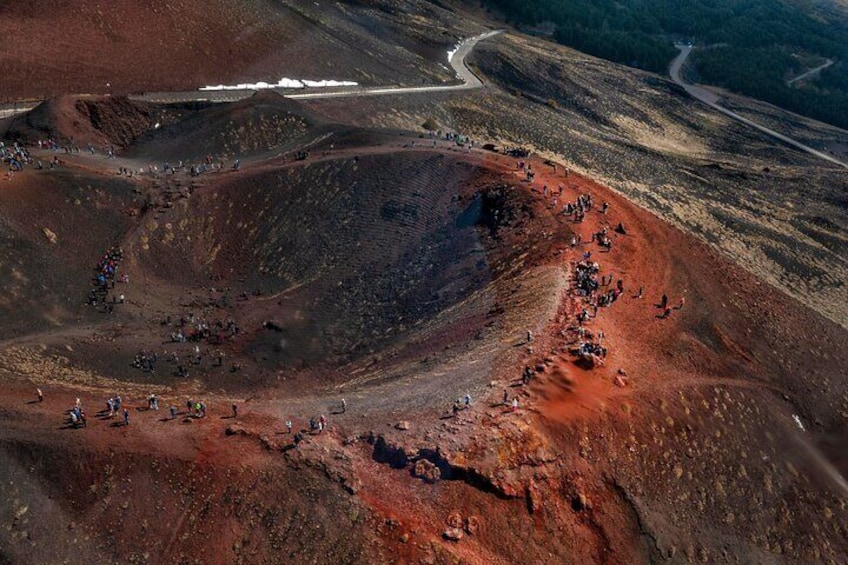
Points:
(363, 258)
(124, 46)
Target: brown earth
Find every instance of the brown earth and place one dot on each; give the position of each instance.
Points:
(399, 277)
(52, 47)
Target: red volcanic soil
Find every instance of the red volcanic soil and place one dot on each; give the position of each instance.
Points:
(56, 47)
(401, 276)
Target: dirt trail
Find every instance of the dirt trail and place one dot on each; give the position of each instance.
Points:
(575, 453)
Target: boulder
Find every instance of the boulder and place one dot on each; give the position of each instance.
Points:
(452, 534)
(424, 469)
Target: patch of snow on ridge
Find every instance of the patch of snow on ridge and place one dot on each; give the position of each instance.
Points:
(452, 52)
(282, 83)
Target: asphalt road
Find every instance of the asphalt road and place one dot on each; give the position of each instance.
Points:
(469, 82)
(811, 72)
(8, 112)
(711, 99)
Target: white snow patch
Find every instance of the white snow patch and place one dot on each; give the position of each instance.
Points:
(798, 421)
(282, 83)
(452, 52)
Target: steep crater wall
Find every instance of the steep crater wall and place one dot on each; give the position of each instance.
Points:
(344, 254)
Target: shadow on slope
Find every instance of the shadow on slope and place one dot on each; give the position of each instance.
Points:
(344, 254)
(266, 121)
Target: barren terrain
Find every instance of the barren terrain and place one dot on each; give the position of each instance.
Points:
(289, 261)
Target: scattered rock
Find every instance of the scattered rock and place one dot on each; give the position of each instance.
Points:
(579, 502)
(472, 525)
(404, 538)
(50, 235)
(454, 520)
(424, 469)
(272, 325)
(402, 425)
(236, 429)
(452, 534)
(268, 443)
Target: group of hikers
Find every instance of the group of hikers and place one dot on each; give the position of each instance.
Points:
(106, 274)
(197, 330)
(207, 165)
(191, 328)
(14, 157)
(115, 407)
(593, 290)
(194, 409)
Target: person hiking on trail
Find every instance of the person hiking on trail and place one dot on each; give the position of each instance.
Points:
(527, 375)
(467, 400)
(40, 395)
(173, 410)
(288, 426)
(666, 312)
(515, 404)
(682, 302)
(641, 291)
(235, 410)
(456, 408)
(506, 397)
(126, 417)
(664, 301)
(344, 405)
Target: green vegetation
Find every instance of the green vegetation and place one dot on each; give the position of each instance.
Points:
(748, 44)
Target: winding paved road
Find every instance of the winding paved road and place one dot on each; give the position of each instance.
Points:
(711, 99)
(470, 81)
(811, 72)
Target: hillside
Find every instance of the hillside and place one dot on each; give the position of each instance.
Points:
(123, 47)
(422, 327)
(749, 47)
